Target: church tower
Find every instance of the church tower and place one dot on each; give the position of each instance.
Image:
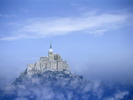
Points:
(50, 53)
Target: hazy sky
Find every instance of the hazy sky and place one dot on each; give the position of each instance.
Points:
(94, 36)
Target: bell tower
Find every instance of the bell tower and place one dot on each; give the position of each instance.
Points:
(50, 53)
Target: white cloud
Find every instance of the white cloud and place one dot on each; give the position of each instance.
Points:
(118, 96)
(91, 23)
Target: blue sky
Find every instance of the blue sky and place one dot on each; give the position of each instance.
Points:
(94, 36)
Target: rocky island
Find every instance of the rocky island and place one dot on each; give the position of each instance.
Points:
(50, 79)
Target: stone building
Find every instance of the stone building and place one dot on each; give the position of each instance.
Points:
(52, 63)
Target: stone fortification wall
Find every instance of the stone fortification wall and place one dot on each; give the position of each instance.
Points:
(45, 64)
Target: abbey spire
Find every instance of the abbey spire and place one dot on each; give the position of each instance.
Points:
(50, 50)
(50, 45)
(50, 53)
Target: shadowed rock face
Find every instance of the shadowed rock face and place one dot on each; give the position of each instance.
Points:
(59, 85)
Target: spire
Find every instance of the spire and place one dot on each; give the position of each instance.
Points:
(50, 50)
(50, 45)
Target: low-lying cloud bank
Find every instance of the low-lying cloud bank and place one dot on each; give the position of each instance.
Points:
(90, 22)
(62, 86)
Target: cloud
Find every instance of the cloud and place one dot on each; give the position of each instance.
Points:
(7, 15)
(118, 96)
(90, 22)
(61, 86)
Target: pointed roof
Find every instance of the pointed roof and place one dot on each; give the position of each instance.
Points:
(50, 45)
(50, 50)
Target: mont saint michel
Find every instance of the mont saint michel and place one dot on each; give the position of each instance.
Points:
(51, 63)
(49, 78)
(90, 56)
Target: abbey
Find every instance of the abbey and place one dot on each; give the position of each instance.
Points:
(52, 63)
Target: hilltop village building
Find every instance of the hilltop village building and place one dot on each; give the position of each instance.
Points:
(51, 63)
